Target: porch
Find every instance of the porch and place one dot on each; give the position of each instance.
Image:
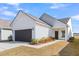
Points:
(59, 33)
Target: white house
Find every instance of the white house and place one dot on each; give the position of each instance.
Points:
(26, 27)
(61, 28)
(5, 30)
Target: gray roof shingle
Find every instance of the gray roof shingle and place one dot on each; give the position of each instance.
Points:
(49, 19)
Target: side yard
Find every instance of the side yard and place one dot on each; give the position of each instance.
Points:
(72, 49)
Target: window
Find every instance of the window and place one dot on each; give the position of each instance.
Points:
(63, 34)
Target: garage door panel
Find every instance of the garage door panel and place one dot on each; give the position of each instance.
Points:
(23, 35)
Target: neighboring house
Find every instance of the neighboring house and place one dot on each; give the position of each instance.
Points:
(5, 30)
(26, 27)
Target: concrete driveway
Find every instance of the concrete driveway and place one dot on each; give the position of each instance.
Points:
(9, 45)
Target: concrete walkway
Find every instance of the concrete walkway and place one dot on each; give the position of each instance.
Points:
(9, 45)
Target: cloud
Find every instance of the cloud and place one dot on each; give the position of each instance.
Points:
(76, 17)
(4, 11)
(16, 5)
(8, 13)
(3, 8)
(18, 8)
(58, 6)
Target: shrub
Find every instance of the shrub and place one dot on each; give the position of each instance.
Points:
(50, 38)
(71, 39)
(34, 41)
(42, 40)
(46, 39)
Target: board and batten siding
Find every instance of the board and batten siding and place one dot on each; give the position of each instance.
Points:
(41, 31)
(23, 22)
(5, 34)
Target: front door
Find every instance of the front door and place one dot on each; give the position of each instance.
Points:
(56, 34)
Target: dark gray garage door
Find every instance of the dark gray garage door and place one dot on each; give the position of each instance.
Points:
(23, 35)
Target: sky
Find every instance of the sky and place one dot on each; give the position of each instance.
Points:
(58, 10)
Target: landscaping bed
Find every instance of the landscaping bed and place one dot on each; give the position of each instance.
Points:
(42, 40)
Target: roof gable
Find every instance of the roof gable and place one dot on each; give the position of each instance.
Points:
(37, 20)
(22, 21)
(50, 20)
(34, 18)
(45, 19)
(64, 20)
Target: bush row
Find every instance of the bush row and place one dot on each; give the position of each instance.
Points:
(42, 40)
